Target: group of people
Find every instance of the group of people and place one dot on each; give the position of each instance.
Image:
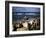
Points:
(26, 25)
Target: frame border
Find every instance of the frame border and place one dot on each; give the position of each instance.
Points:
(7, 18)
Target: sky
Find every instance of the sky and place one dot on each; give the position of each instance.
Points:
(25, 11)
